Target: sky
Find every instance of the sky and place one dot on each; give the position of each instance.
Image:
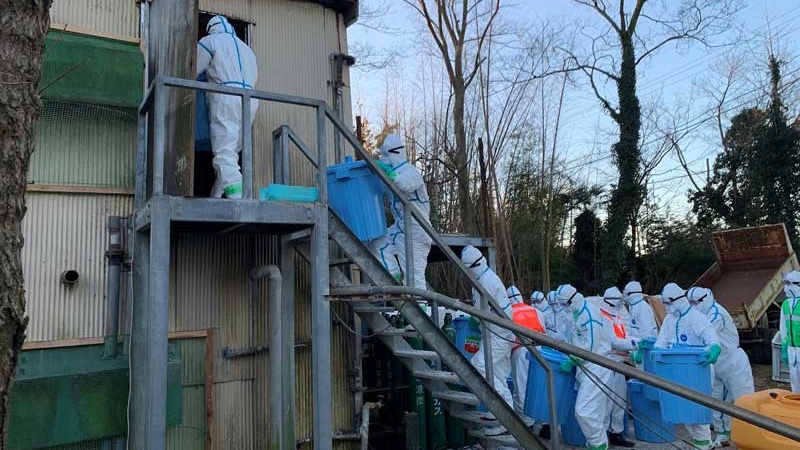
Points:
(676, 78)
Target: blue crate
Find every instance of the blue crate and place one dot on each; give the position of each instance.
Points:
(285, 193)
(355, 194)
(681, 365)
(536, 398)
(202, 136)
(571, 432)
(648, 425)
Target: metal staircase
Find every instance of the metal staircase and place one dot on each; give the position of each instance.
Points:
(442, 384)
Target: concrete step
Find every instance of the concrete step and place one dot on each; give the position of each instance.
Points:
(465, 398)
(398, 332)
(438, 375)
(420, 354)
(474, 417)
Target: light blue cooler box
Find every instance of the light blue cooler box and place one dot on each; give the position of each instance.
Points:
(648, 424)
(681, 365)
(355, 193)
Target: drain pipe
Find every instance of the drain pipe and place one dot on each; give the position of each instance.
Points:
(114, 256)
(281, 432)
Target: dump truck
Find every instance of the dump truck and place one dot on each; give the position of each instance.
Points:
(747, 279)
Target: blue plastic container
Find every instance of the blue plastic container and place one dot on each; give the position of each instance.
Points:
(571, 432)
(682, 365)
(536, 398)
(647, 413)
(286, 193)
(202, 138)
(468, 337)
(355, 193)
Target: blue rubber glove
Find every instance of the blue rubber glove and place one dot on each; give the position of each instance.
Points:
(785, 353)
(387, 169)
(712, 354)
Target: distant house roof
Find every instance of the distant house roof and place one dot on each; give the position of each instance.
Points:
(348, 8)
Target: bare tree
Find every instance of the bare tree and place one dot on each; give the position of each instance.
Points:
(459, 29)
(633, 31)
(25, 25)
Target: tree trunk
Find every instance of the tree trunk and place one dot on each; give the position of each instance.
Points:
(461, 162)
(627, 197)
(25, 25)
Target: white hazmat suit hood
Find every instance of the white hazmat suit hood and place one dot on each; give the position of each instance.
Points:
(539, 302)
(641, 322)
(701, 298)
(613, 298)
(791, 284)
(393, 152)
(569, 299)
(633, 292)
(674, 299)
(514, 295)
(228, 61)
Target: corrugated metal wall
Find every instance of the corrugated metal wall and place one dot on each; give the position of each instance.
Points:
(209, 288)
(67, 232)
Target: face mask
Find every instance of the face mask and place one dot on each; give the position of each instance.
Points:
(791, 290)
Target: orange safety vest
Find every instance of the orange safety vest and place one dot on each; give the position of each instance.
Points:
(619, 326)
(527, 316)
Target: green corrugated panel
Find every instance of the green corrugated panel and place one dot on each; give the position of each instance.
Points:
(81, 144)
(191, 433)
(91, 69)
(72, 394)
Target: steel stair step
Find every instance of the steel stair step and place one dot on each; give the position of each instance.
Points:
(474, 417)
(374, 309)
(439, 375)
(457, 396)
(419, 354)
(505, 439)
(398, 332)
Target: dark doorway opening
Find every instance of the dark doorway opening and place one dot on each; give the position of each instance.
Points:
(203, 170)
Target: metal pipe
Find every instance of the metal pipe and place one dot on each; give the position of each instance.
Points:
(159, 137)
(738, 412)
(247, 148)
(261, 95)
(281, 406)
(114, 256)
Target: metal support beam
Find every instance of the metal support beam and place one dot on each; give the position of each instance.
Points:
(738, 412)
(287, 342)
(321, 335)
(137, 409)
(247, 148)
(159, 137)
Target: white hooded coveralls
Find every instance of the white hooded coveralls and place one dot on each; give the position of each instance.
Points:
(502, 340)
(589, 333)
(622, 343)
(228, 61)
(641, 321)
(684, 325)
(410, 182)
(557, 322)
(733, 376)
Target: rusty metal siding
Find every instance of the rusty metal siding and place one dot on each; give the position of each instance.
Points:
(120, 17)
(67, 232)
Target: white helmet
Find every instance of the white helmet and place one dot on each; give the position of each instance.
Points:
(393, 152)
(514, 295)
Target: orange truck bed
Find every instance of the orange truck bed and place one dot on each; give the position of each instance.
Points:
(748, 274)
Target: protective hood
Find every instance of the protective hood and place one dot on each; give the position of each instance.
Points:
(674, 299)
(514, 295)
(538, 301)
(612, 297)
(632, 292)
(701, 298)
(219, 24)
(552, 301)
(393, 152)
(569, 298)
(473, 258)
(791, 284)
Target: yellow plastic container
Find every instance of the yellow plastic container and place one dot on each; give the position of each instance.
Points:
(781, 405)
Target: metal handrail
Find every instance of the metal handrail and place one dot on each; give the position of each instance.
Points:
(732, 410)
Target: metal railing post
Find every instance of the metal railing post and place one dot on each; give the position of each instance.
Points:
(486, 345)
(322, 155)
(247, 148)
(159, 136)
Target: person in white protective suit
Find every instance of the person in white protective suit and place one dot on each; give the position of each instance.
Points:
(528, 317)
(684, 325)
(622, 344)
(501, 339)
(592, 405)
(733, 376)
(228, 61)
(557, 322)
(790, 327)
(641, 322)
(408, 179)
